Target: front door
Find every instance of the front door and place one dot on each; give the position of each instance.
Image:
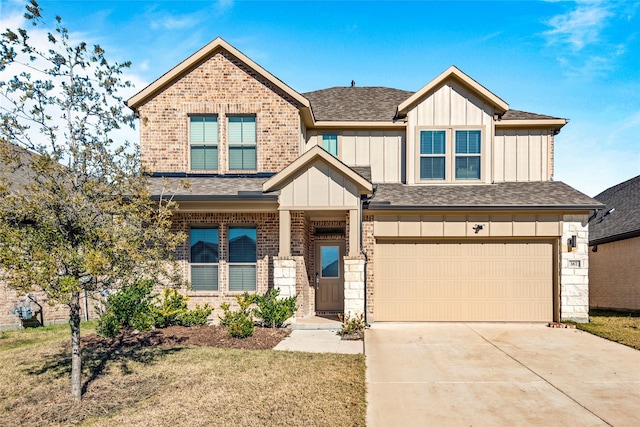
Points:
(329, 276)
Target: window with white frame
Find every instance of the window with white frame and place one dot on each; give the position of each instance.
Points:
(203, 142)
(433, 155)
(449, 155)
(330, 144)
(242, 258)
(467, 164)
(241, 136)
(204, 258)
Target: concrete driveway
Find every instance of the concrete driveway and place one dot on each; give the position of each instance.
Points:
(489, 374)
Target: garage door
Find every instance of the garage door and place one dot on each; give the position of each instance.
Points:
(462, 281)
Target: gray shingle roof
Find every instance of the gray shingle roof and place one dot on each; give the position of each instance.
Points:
(523, 115)
(203, 188)
(508, 195)
(622, 223)
(356, 103)
(375, 103)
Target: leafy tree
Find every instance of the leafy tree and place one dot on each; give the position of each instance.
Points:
(85, 221)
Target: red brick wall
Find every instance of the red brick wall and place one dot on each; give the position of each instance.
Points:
(267, 247)
(220, 85)
(614, 275)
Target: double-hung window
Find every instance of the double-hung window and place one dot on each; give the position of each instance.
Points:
(203, 142)
(204, 258)
(433, 155)
(242, 258)
(242, 142)
(330, 144)
(467, 154)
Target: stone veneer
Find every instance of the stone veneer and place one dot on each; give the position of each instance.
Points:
(353, 285)
(221, 85)
(574, 279)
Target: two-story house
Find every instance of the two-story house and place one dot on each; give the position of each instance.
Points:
(433, 205)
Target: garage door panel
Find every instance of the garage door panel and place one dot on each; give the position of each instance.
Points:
(489, 281)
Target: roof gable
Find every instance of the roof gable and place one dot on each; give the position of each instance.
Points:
(285, 176)
(197, 58)
(455, 73)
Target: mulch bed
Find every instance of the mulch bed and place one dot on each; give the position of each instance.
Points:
(212, 336)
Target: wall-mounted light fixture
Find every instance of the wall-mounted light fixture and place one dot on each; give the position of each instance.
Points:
(572, 242)
(478, 227)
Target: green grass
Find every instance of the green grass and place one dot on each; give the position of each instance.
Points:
(177, 386)
(622, 327)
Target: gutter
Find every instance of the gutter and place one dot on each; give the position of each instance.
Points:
(390, 207)
(363, 200)
(615, 238)
(221, 198)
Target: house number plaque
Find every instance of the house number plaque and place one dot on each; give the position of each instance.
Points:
(574, 263)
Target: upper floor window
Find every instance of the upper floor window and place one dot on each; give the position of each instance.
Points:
(467, 154)
(204, 258)
(203, 142)
(242, 142)
(432, 155)
(449, 155)
(242, 258)
(330, 144)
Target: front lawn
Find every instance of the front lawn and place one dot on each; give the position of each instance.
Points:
(175, 384)
(615, 326)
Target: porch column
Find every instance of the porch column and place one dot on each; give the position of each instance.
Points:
(284, 249)
(354, 232)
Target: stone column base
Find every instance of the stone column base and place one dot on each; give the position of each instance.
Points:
(353, 285)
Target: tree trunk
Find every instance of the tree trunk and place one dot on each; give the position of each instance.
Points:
(76, 358)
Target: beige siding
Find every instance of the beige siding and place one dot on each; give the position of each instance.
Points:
(522, 155)
(614, 275)
(319, 187)
(463, 281)
(382, 150)
(450, 105)
(495, 225)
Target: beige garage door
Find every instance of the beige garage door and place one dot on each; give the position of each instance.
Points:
(462, 281)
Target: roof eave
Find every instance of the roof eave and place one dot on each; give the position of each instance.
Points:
(615, 238)
(545, 123)
(359, 124)
(390, 207)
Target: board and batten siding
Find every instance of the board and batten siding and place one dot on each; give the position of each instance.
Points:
(462, 225)
(523, 155)
(449, 105)
(382, 150)
(319, 187)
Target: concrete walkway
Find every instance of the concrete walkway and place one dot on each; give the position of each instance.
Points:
(455, 374)
(319, 341)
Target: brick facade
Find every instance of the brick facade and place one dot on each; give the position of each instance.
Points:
(221, 85)
(614, 275)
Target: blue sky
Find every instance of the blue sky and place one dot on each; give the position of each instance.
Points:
(578, 60)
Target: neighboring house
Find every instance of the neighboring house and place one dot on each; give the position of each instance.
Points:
(433, 205)
(20, 174)
(614, 243)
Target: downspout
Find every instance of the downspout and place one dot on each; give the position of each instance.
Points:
(363, 200)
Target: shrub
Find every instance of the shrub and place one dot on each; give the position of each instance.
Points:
(173, 311)
(273, 311)
(352, 326)
(134, 307)
(127, 308)
(239, 323)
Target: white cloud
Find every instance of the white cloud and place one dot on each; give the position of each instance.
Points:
(579, 27)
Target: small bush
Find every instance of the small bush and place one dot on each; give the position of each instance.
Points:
(239, 323)
(135, 307)
(273, 311)
(128, 308)
(352, 325)
(173, 311)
